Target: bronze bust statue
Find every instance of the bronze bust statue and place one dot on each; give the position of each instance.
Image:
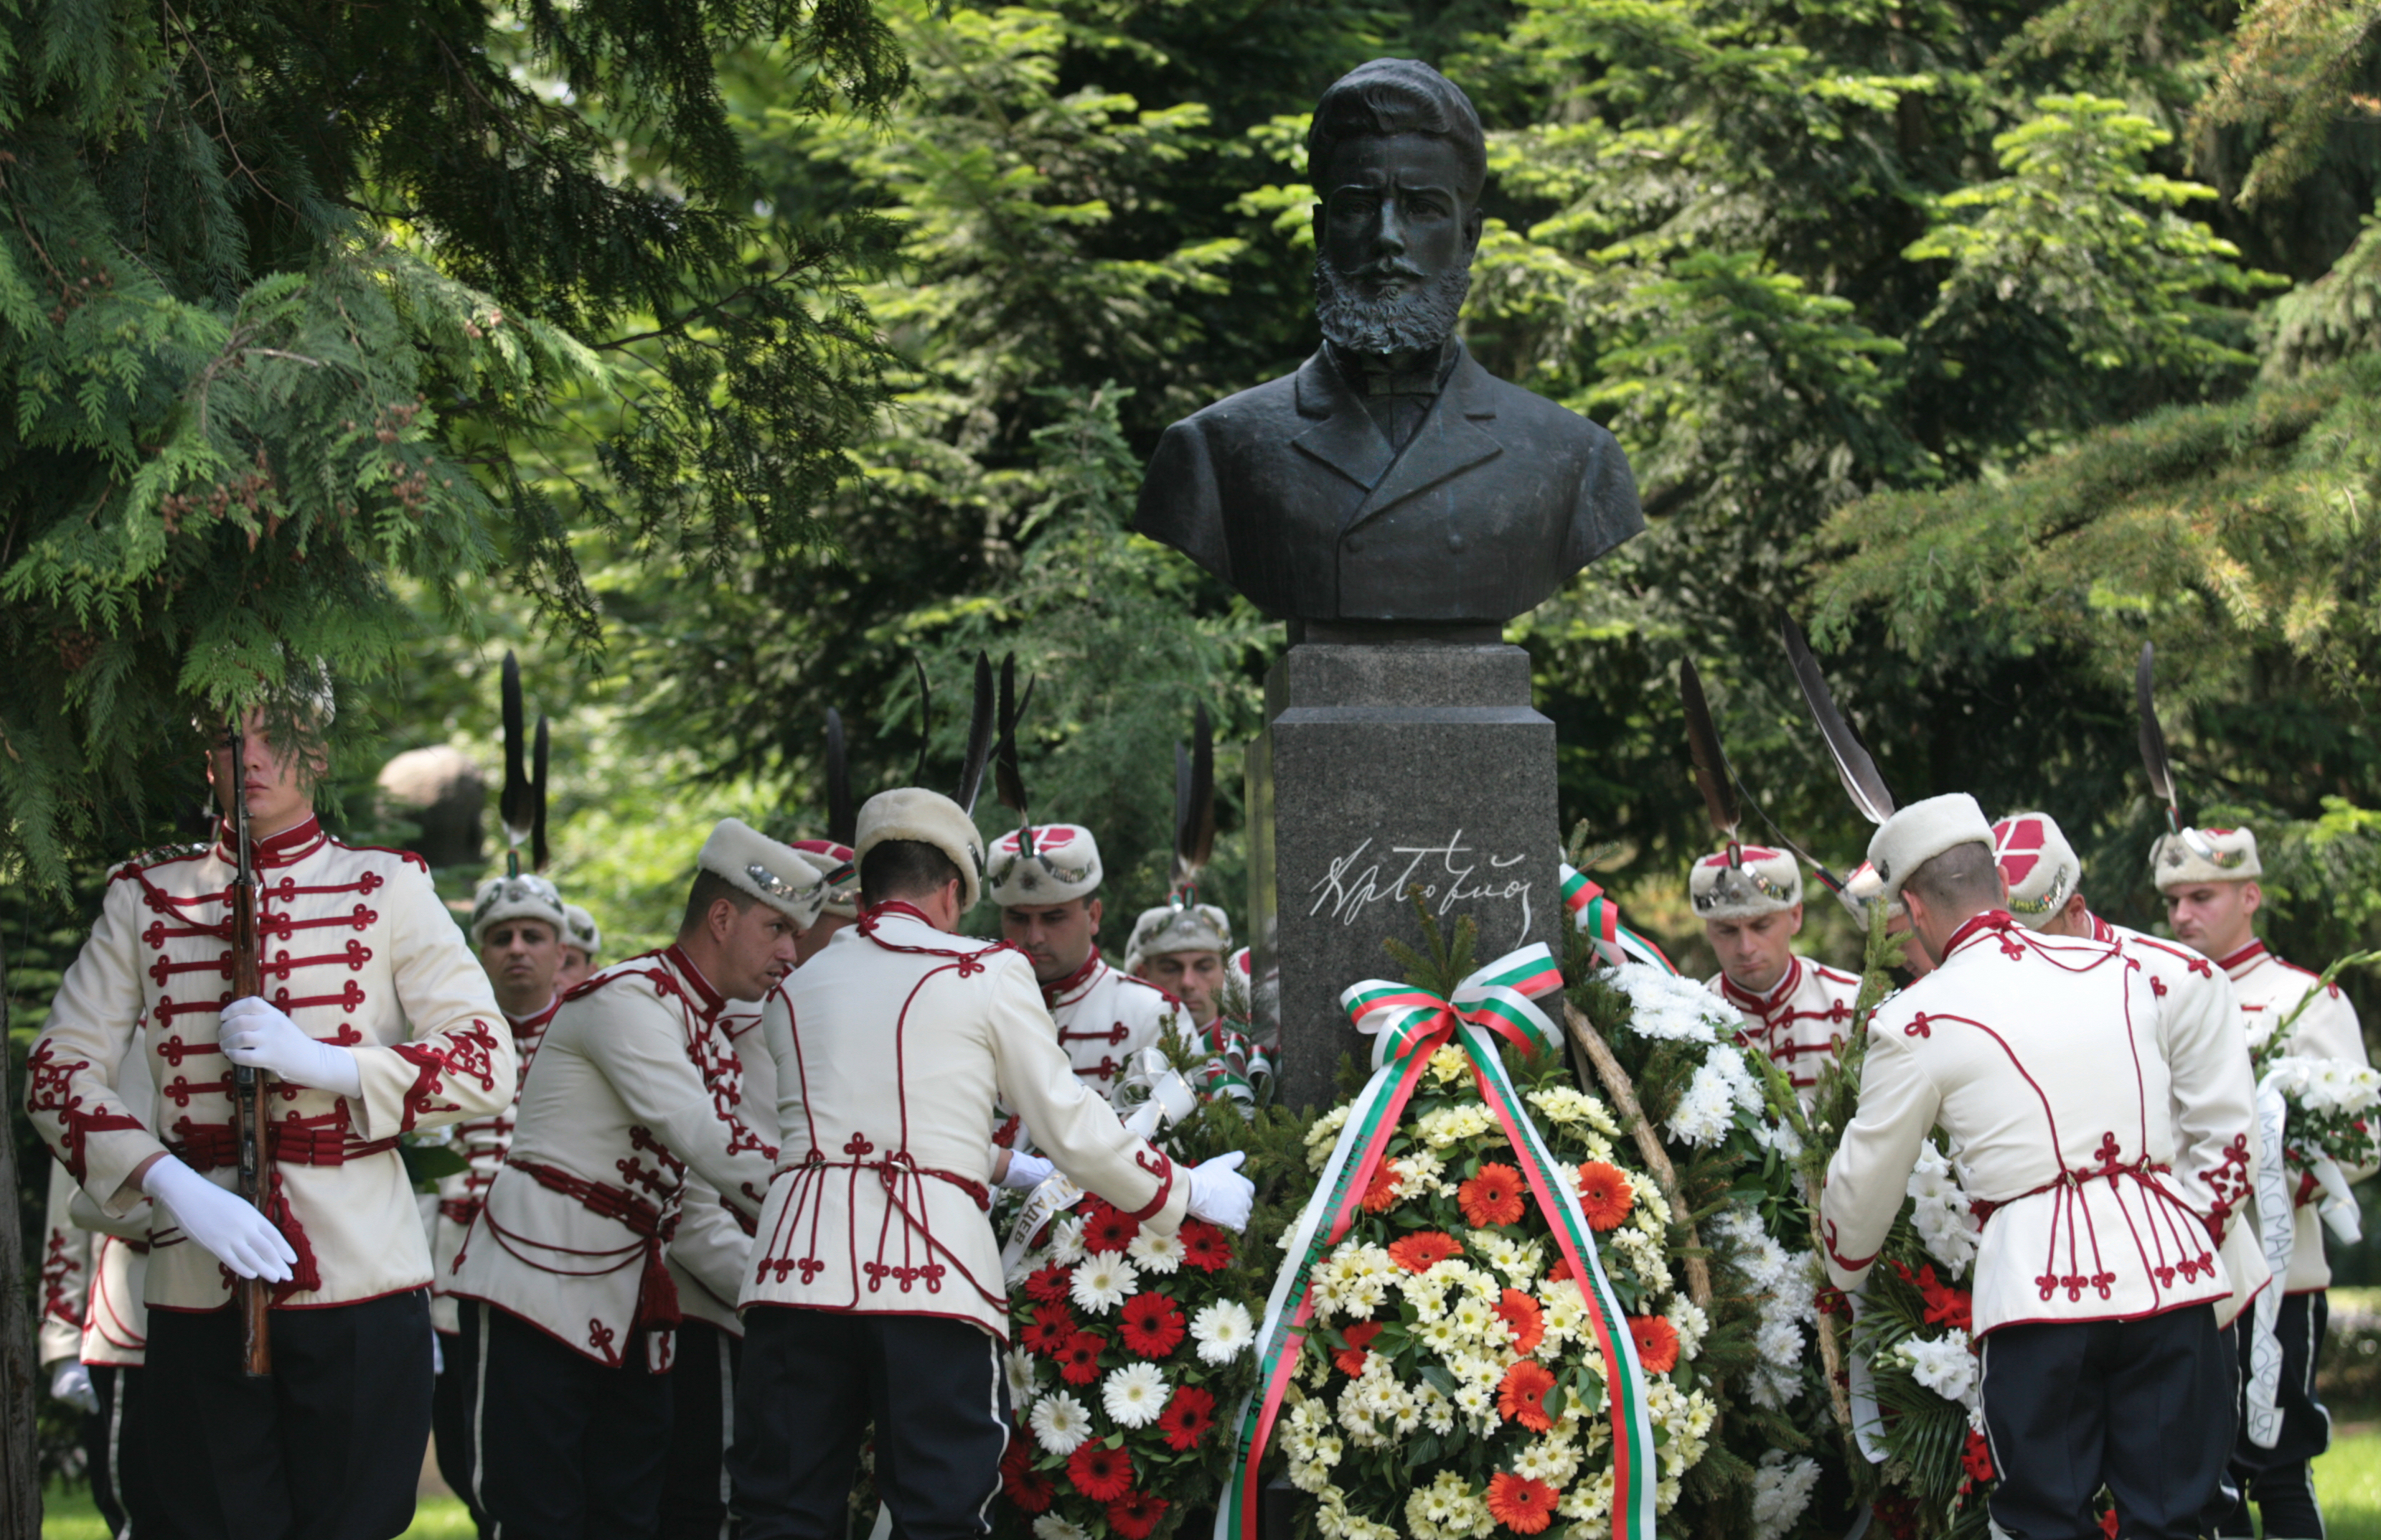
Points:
(1391, 484)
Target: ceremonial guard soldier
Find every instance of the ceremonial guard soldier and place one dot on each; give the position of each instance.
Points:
(1046, 880)
(519, 927)
(2100, 1127)
(1181, 950)
(876, 1287)
(2209, 881)
(1797, 1011)
(378, 1023)
(582, 949)
(637, 1083)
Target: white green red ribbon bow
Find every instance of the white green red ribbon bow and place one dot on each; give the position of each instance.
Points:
(1408, 1026)
(1594, 910)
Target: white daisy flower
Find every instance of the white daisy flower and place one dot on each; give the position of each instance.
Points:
(1051, 1527)
(1104, 1280)
(1222, 1331)
(1135, 1395)
(1060, 1422)
(1018, 1365)
(1067, 1241)
(1153, 1252)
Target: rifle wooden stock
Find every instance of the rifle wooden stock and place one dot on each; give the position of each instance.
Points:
(254, 1296)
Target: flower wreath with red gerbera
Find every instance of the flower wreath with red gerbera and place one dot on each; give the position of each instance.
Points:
(1128, 1348)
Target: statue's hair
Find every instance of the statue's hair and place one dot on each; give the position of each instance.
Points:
(1397, 96)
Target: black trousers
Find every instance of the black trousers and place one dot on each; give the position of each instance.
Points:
(702, 1423)
(451, 1420)
(2280, 1480)
(327, 1449)
(111, 1443)
(565, 1449)
(813, 1380)
(2137, 1406)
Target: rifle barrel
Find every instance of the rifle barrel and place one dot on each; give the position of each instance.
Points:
(254, 1296)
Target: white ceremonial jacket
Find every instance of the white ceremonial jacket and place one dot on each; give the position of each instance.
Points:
(92, 1270)
(2097, 1121)
(2268, 989)
(482, 1143)
(66, 1275)
(636, 1085)
(900, 1039)
(360, 951)
(1799, 1023)
(713, 1248)
(1104, 1016)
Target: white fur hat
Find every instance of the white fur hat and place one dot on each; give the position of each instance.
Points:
(1065, 864)
(1165, 930)
(2038, 864)
(527, 897)
(930, 818)
(2206, 855)
(579, 928)
(1763, 881)
(752, 862)
(1922, 831)
(830, 858)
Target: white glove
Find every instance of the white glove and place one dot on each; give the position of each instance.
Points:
(255, 1034)
(1219, 1194)
(438, 1356)
(72, 1385)
(1026, 1171)
(227, 1225)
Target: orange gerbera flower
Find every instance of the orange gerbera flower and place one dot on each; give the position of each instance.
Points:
(1605, 1195)
(1657, 1343)
(1521, 1397)
(1522, 1504)
(1359, 1335)
(1494, 1197)
(1423, 1249)
(1521, 1315)
(1383, 1193)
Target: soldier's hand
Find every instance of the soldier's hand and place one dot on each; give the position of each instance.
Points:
(256, 1034)
(1219, 1194)
(72, 1385)
(1026, 1171)
(223, 1222)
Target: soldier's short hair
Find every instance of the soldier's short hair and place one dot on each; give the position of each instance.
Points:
(904, 869)
(1397, 96)
(707, 889)
(1965, 875)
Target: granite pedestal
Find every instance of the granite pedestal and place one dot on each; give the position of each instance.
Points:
(1383, 767)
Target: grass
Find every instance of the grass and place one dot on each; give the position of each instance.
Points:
(70, 1515)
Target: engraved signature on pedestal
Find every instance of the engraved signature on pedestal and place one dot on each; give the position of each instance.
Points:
(1449, 874)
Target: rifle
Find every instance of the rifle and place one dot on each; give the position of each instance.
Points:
(254, 1296)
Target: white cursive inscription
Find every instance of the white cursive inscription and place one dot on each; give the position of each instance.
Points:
(1448, 874)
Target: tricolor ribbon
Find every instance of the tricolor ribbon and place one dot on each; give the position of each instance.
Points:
(2278, 1233)
(1408, 1026)
(1594, 910)
(1170, 1100)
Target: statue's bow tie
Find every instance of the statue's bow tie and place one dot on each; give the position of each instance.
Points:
(1418, 382)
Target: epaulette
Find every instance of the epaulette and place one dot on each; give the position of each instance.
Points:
(406, 856)
(158, 855)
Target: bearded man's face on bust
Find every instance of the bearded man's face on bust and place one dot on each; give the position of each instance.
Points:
(1395, 233)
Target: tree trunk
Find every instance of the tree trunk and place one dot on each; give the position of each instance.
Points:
(20, 1484)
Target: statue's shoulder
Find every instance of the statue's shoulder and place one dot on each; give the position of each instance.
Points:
(1243, 411)
(1539, 414)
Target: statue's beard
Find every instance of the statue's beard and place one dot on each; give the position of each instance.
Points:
(1421, 317)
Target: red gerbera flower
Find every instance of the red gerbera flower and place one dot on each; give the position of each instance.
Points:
(1135, 1514)
(1558, 1269)
(1024, 1485)
(1603, 1194)
(1423, 1249)
(1521, 1396)
(1150, 1325)
(1381, 1195)
(1205, 1246)
(1188, 1416)
(1079, 1361)
(1494, 1197)
(1046, 1334)
(1105, 1228)
(1350, 1358)
(1946, 1303)
(1521, 1504)
(1051, 1285)
(1099, 1473)
(1657, 1343)
(1977, 1456)
(1522, 1317)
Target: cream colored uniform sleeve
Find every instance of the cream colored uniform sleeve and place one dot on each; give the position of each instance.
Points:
(644, 1057)
(71, 1069)
(1870, 1174)
(459, 1061)
(709, 1242)
(65, 1274)
(2214, 1098)
(1073, 1124)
